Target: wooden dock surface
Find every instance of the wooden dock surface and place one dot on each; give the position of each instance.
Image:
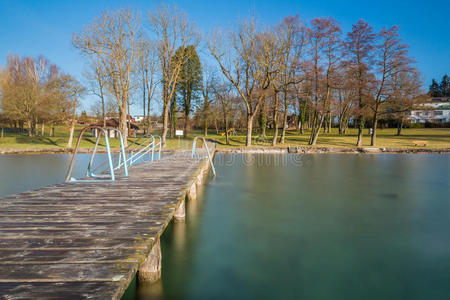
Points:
(86, 240)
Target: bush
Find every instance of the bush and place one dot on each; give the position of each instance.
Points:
(437, 125)
(414, 125)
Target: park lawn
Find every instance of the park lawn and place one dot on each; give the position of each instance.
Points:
(436, 138)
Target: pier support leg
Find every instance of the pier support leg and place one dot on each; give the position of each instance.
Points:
(180, 213)
(150, 270)
(192, 194)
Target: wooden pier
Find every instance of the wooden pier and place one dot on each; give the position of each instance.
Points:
(87, 240)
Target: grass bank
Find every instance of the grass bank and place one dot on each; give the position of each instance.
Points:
(435, 137)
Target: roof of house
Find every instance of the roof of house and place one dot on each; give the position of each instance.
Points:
(440, 99)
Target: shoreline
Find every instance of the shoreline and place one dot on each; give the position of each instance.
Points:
(353, 150)
(285, 149)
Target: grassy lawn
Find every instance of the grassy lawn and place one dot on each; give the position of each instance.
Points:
(437, 138)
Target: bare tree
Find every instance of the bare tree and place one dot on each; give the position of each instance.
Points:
(147, 63)
(407, 93)
(73, 89)
(172, 31)
(324, 37)
(290, 41)
(359, 46)
(97, 78)
(112, 38)
(391, 59)
(224, 98)
(246, 65)
(208, 87)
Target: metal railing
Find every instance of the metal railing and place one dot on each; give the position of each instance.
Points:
(194, 147)
(143, 151)
(89, 171)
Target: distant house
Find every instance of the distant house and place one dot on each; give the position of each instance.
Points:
(114, 123)
(139, 119)
(436, 110)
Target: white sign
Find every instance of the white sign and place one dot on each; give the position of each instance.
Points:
(178, 132)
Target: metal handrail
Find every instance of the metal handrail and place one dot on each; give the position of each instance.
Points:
(194, 144)
(89, 171)
(131, 157)
(145, 149)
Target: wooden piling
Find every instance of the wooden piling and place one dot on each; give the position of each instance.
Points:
(150, 270)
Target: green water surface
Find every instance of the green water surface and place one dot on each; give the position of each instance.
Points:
(332, 226)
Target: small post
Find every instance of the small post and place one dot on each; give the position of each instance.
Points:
(180, 213)
(150, 270)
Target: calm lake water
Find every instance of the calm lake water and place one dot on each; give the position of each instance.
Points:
(24, 172)
(316, 227)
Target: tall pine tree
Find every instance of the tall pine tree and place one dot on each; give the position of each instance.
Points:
(189, 86)
(434, 90)
(444, 87)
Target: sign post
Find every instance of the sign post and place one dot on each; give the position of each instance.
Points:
(179, 133)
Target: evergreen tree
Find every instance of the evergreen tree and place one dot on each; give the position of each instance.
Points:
(189, 86)
(444, 87)
(435, 89)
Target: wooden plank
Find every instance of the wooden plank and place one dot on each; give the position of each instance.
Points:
(58, 290)
(64, 272)
(70, 256)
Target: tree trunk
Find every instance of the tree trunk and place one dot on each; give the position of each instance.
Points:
(43, 129)
(316, 132)
(205, 127)
(330, 118)
(373, 138)
(165, 123)
(128, 119)
(313, 128)
(143, 99)
(174, 119)
(123, 124)
(30, 132)
(399, 126)
(186, 123)
(226, 128)
(103, 108)
(285, 113)
(72, 129)
(345, 125)
(360, 131)
(275, 120)
(215, 125)
(249, 129)
(263, 119)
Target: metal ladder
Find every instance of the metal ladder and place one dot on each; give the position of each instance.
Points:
(194, 155)
(142, 150)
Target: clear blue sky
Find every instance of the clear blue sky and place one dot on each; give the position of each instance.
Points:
(34, 27)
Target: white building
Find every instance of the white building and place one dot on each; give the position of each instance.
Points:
(437, 110)
(139, 119)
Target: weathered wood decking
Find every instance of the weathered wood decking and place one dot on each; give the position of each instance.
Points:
(87, 240)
